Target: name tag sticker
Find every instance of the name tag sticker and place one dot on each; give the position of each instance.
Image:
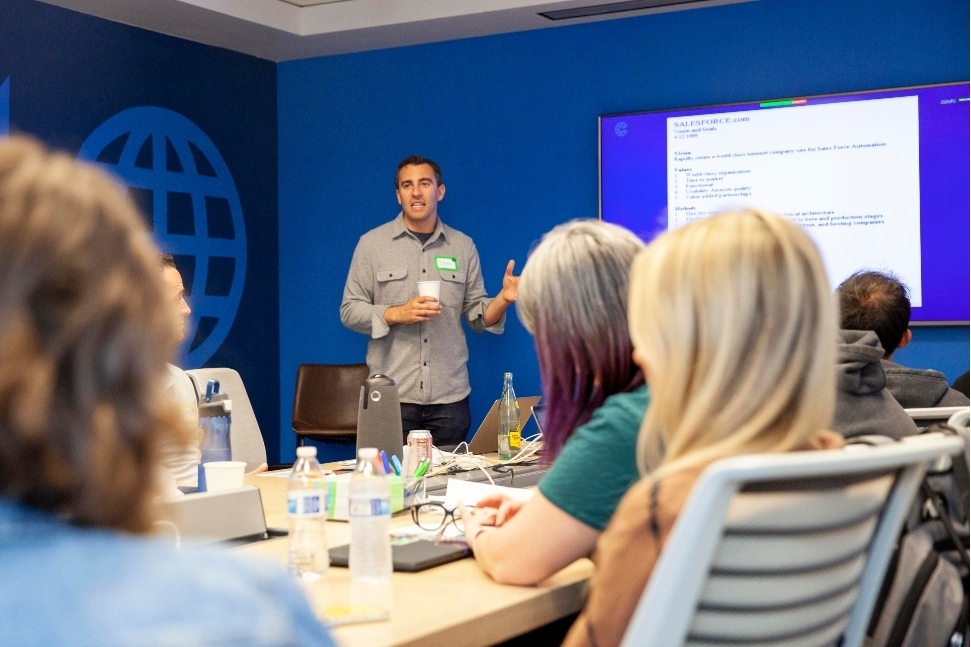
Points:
(446, 263)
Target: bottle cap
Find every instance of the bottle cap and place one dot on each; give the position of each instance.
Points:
(306, 452)
(367, 453)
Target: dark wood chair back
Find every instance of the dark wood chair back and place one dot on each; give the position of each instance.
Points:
(325, 401)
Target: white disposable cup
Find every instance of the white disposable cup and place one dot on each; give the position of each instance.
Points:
(224, 475)
(430, 289)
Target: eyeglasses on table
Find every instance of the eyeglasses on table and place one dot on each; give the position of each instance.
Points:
(435, 516)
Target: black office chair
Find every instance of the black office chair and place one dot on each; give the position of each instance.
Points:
(325, 402)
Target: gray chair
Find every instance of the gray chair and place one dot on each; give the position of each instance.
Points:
(245, 437)
(960, 418)
(783, 549)
(927, 417)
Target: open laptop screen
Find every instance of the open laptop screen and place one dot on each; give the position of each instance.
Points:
(539, 415)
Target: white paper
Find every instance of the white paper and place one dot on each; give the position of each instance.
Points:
(470, 493)
(285, 474)
(281, 474)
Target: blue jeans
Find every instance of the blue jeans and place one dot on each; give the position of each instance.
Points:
(449, 423)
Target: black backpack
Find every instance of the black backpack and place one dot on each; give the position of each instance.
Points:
(923, 601)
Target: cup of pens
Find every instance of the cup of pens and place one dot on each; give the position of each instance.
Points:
(415, 492)
(413, 483)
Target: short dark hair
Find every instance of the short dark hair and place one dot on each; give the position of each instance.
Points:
(418, 160)
(166, 260)
(875, 301)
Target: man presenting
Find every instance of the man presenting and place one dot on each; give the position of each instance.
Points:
(418, 341)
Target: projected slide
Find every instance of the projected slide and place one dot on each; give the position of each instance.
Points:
(847, 172)
(881, 179)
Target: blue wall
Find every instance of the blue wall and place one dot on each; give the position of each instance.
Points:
(943, 348)
(67, 73)
(512, 118)
(513, 121)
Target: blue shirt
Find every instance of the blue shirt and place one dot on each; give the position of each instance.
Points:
(65, 585)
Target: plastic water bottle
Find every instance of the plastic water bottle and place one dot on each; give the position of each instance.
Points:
(370, 516)
(307, 510)
(215, 414)
(509, 421)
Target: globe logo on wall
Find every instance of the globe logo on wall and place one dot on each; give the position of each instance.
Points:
(177, 177)
(5, 107)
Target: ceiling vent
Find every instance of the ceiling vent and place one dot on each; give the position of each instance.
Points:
(615, 7)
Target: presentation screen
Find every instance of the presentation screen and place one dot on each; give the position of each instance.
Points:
(880, 180)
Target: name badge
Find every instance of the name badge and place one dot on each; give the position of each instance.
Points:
(446, 263)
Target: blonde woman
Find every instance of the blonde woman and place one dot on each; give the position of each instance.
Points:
(734, 324)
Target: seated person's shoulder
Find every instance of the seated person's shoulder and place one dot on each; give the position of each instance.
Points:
(623, 407)
(892, 368)
(230, 595)
(614, 425)
(656, 502)
(147, 591)
(669, 493)
(602, 449)
(953, 398)
(920, 388)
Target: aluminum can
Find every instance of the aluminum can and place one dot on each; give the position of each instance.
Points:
(419, 448)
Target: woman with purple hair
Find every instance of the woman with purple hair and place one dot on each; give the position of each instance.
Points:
(573, 299)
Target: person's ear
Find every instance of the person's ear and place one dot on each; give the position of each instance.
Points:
(441, 192)
(906, 339)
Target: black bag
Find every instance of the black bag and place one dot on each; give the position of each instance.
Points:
(923, 601)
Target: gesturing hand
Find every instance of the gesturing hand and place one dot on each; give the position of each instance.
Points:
(414, 311)
(510, 283)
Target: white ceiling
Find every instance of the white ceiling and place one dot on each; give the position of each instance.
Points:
(281, 30)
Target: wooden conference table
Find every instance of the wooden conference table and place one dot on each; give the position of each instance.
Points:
(453, 605)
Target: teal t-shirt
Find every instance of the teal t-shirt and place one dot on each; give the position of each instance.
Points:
(597, 465)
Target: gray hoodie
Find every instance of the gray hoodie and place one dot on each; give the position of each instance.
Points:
(863, 404)
(914, 388)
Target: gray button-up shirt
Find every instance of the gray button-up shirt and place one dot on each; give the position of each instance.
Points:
(427, 359)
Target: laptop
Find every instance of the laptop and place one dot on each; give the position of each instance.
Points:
(486, 438)
(539, 415)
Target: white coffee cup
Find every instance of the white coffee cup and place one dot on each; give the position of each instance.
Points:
(224, 475)
(430, 289)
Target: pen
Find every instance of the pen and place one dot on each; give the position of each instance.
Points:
(384, 461)
(412, 488)
(396, 464)
(422, 467)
